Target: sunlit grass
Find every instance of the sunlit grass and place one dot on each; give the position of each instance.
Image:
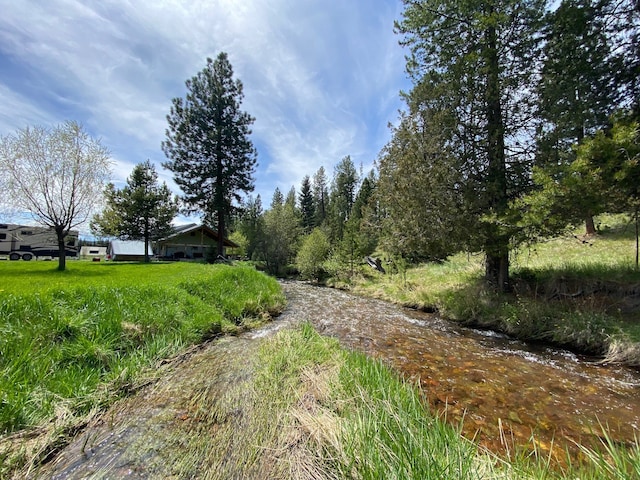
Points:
(76, 345)
(571, 291)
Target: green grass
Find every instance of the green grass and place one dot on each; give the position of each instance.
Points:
(572, 291)
(73, 341)
(339, 414)
(352, 417)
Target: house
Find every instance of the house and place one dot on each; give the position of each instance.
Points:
(190, 242)
(92, 252)
(127, 250)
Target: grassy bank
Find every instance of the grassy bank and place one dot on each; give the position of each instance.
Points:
(582, 293)
(73, 341)
(337, 414)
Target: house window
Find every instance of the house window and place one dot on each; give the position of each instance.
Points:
(3, 236)
(94, 252)
(3, 226)
(26, 232)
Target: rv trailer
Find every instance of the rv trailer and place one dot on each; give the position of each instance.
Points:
(27, 242)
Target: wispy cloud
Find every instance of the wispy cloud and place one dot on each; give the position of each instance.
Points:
(320, 77)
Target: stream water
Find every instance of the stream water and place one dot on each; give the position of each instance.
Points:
(506, 394)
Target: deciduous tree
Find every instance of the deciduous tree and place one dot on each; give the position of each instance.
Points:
(57, 175)
(312, 254)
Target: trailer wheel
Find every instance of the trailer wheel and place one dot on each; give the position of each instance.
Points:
(27, 256)
(14, 256)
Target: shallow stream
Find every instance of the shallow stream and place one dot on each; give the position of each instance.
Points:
(507, 394)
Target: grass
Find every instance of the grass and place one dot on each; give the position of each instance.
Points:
(72, 342)
(338, 414)
(572, 291)
(351, 417)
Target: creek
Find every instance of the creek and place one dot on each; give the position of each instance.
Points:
(507, 394)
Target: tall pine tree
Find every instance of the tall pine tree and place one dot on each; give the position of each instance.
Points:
(307, 207)
(208, 146)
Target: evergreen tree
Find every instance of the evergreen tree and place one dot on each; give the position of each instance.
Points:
(306, 203)
(480, 58)
(342, 196)
(278, 199)
(420, 188)
(291, 198)
(208, 144)
(141, 210)
(320, 196)
(365, 217)
(576, 87)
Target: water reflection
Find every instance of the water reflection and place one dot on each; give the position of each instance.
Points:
(505, 390)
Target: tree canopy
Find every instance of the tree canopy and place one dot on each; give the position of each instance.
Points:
(142, 210)
(208, 145)
(57, 175)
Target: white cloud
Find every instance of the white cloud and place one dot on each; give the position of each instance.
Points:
(321, 77)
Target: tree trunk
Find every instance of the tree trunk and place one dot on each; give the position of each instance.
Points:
(497, 271)
(221, 229)
(146, 241)
(62, 252)
(497, 243)
(590, 227)
(637, 233)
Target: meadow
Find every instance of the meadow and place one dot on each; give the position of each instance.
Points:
(74, 341)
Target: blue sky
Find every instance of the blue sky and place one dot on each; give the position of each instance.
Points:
(321, 77)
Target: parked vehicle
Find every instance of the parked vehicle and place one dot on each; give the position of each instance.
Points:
(27, 242)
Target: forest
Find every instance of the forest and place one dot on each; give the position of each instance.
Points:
(522, 123)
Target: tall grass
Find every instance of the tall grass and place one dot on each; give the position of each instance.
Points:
(338, 414)
(58, 345)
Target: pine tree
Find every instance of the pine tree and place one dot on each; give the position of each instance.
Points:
(142, 210)
(342, 196)
(307, 207)
(208, 144)
(320, 196)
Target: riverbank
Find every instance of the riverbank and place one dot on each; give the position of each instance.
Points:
(285, 402)
(579, 293)
(74, 342)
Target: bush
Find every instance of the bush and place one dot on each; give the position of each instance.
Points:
(312, 254)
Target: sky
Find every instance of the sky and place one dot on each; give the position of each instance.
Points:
(321, 77)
